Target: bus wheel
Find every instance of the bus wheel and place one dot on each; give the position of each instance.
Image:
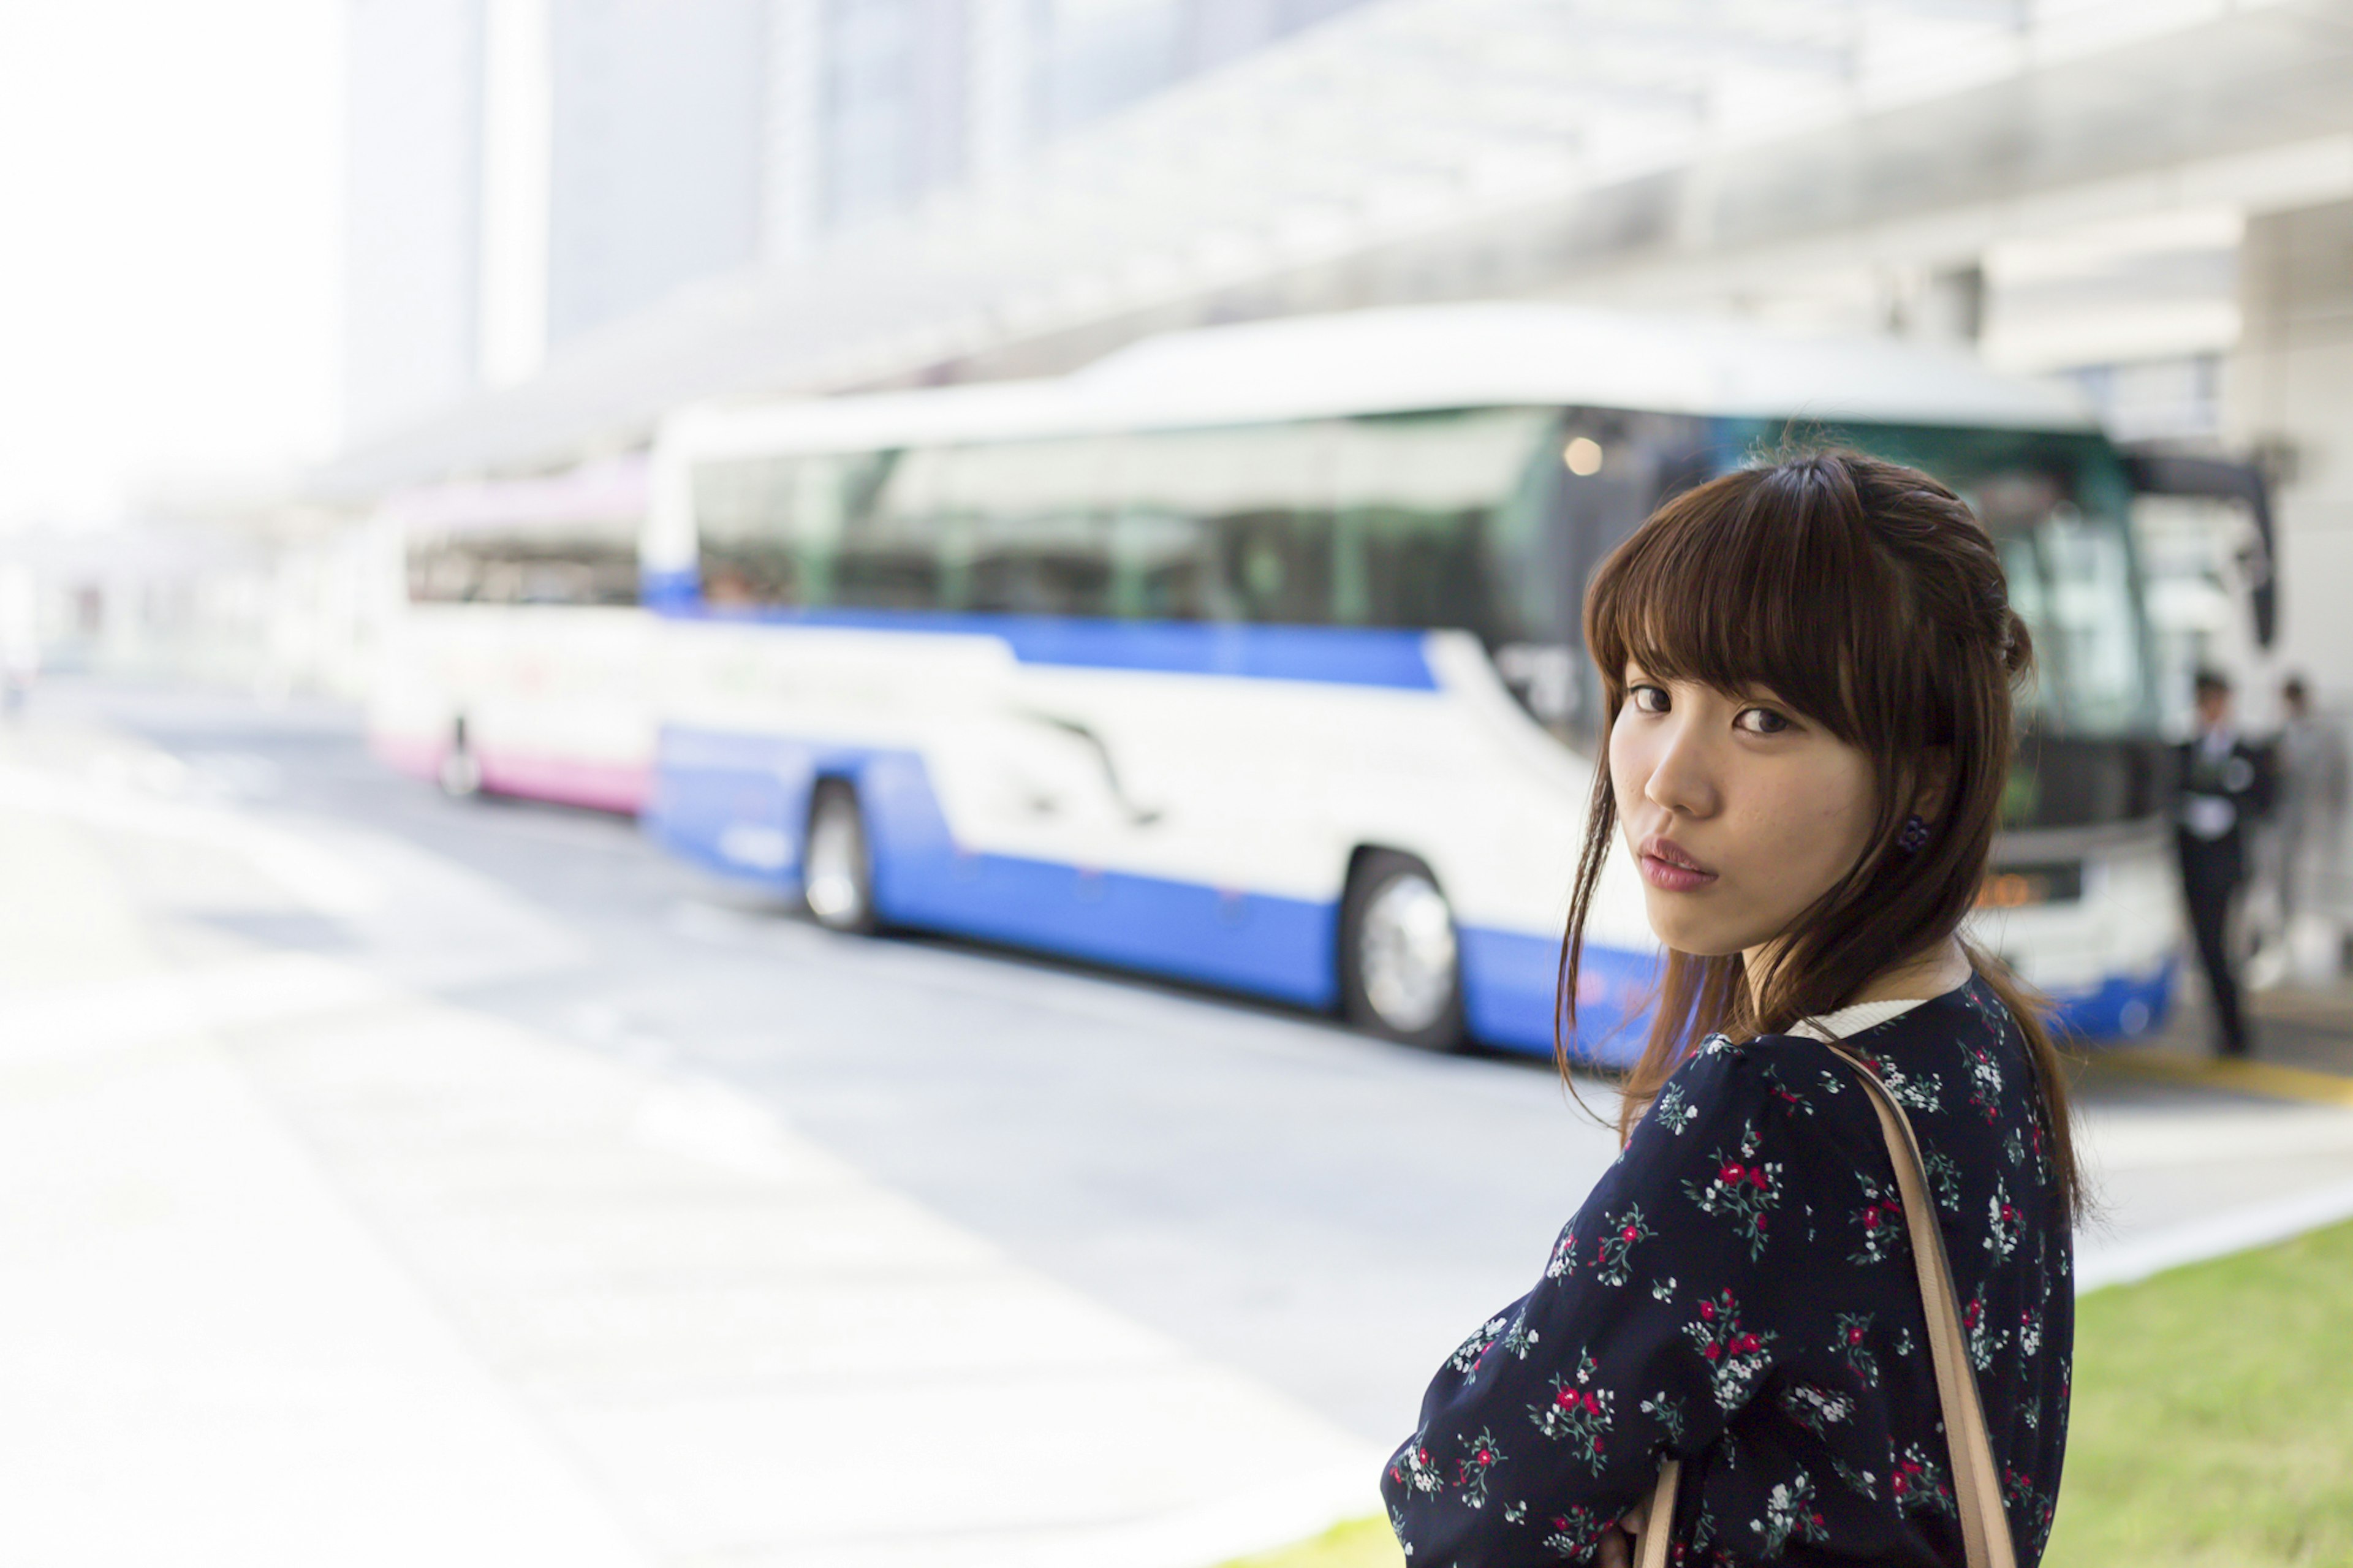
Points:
(1400, 963)
(837, 870)
(460, 774)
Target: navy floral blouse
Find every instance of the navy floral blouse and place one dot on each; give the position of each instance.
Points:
(1738, 1290)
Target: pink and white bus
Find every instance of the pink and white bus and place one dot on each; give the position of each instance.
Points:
(517, 661)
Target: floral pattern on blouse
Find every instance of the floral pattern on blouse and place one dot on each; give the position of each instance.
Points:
(1738, 1290)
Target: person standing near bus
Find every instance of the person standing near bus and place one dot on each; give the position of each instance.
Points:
(2223, 787)
(2310, 819)
(1807, 671)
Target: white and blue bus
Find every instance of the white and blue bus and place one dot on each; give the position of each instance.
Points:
(1250, 655)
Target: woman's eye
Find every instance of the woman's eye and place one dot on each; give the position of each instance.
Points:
(1651, 699)
(1761, 721)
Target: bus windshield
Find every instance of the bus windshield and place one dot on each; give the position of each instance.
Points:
(2057, 506)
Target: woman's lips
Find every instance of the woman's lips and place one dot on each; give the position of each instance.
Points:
(1667, 868)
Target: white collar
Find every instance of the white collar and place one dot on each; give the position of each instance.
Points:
(1850, 1021)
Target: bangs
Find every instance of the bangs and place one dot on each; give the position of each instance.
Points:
(1763, 578)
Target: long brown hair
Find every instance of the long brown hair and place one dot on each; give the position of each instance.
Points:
(1867, 596)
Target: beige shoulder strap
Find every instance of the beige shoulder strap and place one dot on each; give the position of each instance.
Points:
(1659, 1523)
(1976, 1484)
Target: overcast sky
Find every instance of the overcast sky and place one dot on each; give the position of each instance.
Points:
(169, 246)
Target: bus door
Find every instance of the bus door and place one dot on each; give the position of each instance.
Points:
(2209, 558)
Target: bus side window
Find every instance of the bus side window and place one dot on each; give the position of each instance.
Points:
(744, 516)
(811, 531)
(1159, 569)
(1162, 568)
(1276, 564)
(442, 573)
(1434, 528)
(1415, 568)
(1228, 525)
(884, 556)
(583, 564)
(1029, 529)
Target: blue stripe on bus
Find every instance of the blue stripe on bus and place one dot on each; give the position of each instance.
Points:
(669, 593)
(1509, 982)
(1343, 656)
(738, 804)
(710, 788)
(2121, 1006)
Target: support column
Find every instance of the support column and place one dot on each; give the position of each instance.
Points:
(998, 98)
(793, 176)
(2288, 388)
(517, 150)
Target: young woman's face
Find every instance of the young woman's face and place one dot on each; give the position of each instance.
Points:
(1738, 812)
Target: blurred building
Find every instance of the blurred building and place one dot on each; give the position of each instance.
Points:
(239, 588)
(523, 171)
(656, 151)
(570, 216)
(413, 281)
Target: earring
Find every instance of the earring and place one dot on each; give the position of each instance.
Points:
(1913, 837)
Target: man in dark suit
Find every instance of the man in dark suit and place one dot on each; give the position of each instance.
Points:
(2224, 785)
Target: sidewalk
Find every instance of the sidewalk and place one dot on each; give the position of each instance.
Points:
(2205, 1156)
(2304, 1047)
(205, 1355)
(305, 1268)
(2305, 1025)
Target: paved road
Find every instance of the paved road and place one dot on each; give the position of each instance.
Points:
(1328, 1212)
(1320, 1214)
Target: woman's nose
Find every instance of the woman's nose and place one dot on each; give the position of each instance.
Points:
(1681, 779)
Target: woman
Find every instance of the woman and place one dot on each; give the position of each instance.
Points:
(1808, 670)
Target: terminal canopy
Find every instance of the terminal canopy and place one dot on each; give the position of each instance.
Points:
(1432, 149)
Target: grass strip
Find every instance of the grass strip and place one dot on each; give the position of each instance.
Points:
(2212, 1422)
(1359, 1544)
(2211, 1425)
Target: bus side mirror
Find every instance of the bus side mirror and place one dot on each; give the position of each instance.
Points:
(2163, 473)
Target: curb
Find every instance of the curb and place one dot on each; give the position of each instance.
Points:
(2266, 1079)
(2216, 1235)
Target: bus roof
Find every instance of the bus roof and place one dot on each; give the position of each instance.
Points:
(1420, 357)
(603, 491)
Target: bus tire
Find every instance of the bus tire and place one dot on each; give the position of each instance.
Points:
(460, 772)
(837, 862)
(1400, 954)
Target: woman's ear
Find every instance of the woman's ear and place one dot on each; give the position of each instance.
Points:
(1934, 775)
